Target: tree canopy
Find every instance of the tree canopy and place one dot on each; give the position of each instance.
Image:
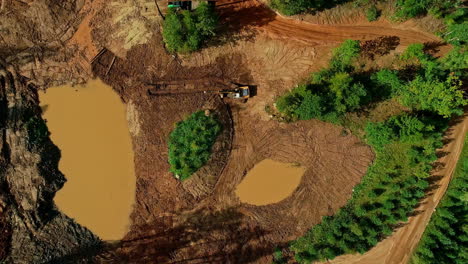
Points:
(190, 143)
(185, 31)
(446, 236)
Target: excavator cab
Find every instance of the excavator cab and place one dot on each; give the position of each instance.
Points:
(241, 92)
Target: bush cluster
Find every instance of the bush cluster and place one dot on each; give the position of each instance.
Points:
(293, 7)
(434, 85)
(445, 239)
(330, 93)
(190, 144)
(372, 13)
(186, 31)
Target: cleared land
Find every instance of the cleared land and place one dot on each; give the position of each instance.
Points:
(202, 220)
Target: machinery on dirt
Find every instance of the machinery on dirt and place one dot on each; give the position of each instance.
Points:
(241, 92)
(233, 91)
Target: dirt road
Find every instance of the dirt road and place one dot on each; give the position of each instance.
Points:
(397, 248)
(253, 13)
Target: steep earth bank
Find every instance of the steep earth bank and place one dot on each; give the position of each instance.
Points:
(37, 232)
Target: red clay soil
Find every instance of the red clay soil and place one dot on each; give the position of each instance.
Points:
(241, 14)
(399, 247)
(172, 223)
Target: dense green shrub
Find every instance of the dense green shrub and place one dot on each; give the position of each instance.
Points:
(293, 7)
(372, 13)
(436, 86)
(185, 31)
(457, 34)
(331, 92)
(456, 61)
(190, 144)
(445, 239)
(439, 8)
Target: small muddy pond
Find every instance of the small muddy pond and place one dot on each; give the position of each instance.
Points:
(88, 123)
(269, 182)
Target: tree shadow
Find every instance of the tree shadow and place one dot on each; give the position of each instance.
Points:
(441, 153)
(201, 236)
(379, 46)
(433, 47)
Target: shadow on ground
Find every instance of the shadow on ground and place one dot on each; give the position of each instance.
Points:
(202, 236)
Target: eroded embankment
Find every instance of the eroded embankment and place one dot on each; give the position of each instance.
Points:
(29, 177)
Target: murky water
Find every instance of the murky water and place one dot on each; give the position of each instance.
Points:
(89, 126)
(269, 182)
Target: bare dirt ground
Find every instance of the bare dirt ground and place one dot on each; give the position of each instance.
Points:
(398, 247)
(335, 160)
(202, 220)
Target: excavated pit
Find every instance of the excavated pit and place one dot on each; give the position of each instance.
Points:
(88, 123)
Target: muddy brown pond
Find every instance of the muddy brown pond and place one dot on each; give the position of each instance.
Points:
(269, 182)
(88, 123)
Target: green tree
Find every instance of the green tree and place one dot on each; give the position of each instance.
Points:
(173, 32)
(190, 144)
(344, 55)
(444, 240)
(207, 20)
(457, 34)
(185, 31)
(372, 13)
(442, 97)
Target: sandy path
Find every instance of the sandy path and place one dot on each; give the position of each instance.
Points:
(398, 248)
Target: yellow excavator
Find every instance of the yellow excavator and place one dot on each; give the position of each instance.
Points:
(241, 92)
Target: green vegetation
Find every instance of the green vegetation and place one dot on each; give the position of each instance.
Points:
(190, 144)
(453, 12)
(330, 93)
(445, 239)
(293, 7)
(185, 31)
(372, 13)
(405, 145)
(434, 85)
